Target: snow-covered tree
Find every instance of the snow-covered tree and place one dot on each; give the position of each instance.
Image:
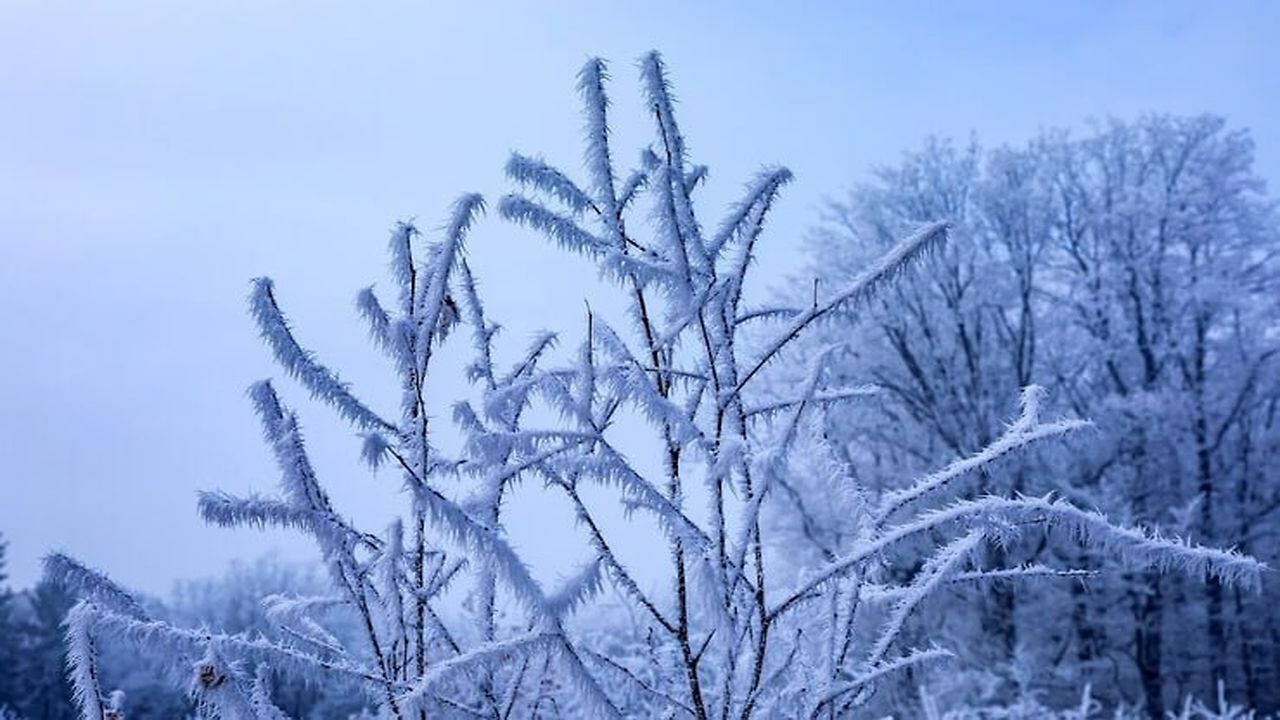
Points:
(1133, 270)
(746, 628)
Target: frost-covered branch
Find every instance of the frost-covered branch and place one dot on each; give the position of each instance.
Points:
(300, 363)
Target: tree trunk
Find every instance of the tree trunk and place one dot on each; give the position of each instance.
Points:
(1148, 645)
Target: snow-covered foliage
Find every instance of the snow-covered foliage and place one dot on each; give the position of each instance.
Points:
(744, 630)
(1085, 707)
(1132, 269)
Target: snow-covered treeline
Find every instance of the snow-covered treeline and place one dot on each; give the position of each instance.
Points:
(742, 409)
(1132, 269)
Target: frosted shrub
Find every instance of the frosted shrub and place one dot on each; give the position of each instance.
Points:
(735, 634)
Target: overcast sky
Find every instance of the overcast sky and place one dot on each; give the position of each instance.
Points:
(155, 156)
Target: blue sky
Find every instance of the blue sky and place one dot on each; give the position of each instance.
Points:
(155, 156)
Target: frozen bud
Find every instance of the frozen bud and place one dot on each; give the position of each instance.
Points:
(208, 675)
(115, 706)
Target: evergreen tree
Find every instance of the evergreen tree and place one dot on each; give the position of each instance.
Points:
(46, 691)
(9, 649)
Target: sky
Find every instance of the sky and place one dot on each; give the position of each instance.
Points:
(155, 156)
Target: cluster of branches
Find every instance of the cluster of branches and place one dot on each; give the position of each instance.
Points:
(733, 636)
